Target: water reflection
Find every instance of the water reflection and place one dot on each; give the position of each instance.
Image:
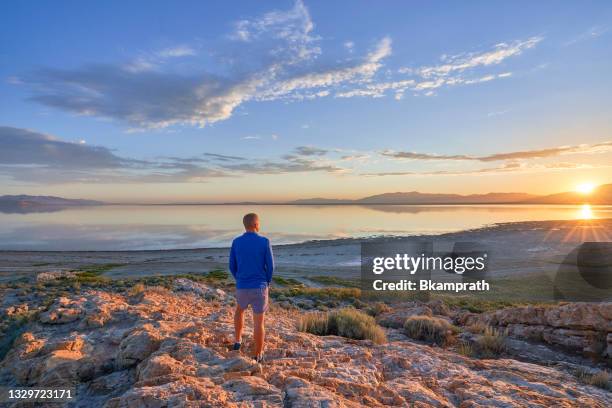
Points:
(586, 212)
(169, 227)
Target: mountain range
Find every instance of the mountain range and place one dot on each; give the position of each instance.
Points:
(600, 195)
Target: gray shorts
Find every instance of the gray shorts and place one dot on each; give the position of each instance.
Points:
(257, 298)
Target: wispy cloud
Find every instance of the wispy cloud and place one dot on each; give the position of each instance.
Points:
(515, 155)
(452, 71)
(274, 56)
(591, 33)
(502, 169)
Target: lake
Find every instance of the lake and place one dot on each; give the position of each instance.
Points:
(125, 227)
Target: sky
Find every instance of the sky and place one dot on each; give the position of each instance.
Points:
(152, 101)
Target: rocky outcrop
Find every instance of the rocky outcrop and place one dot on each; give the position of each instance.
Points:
(172, 349)
(581, 327)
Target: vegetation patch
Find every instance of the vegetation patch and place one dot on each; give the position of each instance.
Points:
(322, 293)
(430, 329)
(333, 280)
(347, 322)
(279, 280)
(599, 378)
(492, 342)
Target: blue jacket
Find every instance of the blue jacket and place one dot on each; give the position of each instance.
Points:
(251, 261)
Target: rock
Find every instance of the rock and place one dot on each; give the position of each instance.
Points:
(137, 345)
(251, 388)
(580, 327)
(64, 310)
(200, 289)
(172, 349)
(158, 366)
(54, 275)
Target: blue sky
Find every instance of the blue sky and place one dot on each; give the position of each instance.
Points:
(203, 101)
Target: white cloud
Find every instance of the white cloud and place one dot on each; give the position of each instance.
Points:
(462, 62)
(278, 55)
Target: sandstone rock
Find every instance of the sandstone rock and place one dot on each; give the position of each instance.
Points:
(171, 349)
(138, 345)
(251, 388)
(200, 289)
(158, 366)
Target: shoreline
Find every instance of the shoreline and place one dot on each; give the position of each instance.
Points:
(516, 249)
(348, 240)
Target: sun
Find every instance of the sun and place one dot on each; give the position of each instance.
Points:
(585, 188)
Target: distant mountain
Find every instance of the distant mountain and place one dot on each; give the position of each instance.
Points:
(601, 195)
(28, 203)
(414, 197)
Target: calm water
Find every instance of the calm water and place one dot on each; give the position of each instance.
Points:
(170, 227)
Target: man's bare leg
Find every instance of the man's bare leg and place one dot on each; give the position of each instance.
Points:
(238, 324)
(258, 332)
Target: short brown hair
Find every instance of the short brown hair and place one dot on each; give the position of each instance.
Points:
(249, 220)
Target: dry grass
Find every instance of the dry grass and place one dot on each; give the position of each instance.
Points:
(345, 322)
(477, 328)
(492, 342)
(600, 379)
(466, 349)
(378, 308)
(430, 329)
(137, 289)
(315, 323)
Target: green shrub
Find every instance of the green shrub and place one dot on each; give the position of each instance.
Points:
(217, 274)
(345, 322)
(430, 329)
(333, 280)
(279, 280)
(492, 342)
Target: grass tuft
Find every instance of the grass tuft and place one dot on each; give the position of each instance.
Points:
(431, 329)
(492, 343)
(345, 322)
(600, 379)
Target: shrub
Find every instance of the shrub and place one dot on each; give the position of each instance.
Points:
(345, 322)
(492, 342)
(378, 308)
(217, 274)
(136, 290)
(477, 328)
(430, 329)
(315, 323)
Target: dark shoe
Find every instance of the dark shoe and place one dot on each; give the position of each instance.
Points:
(259, 359)
(236, 346)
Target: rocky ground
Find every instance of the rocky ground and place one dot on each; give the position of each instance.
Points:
(154, 347)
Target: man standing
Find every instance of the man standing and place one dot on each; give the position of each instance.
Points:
(252, 265)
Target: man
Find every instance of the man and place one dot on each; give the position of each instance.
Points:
(252, 265)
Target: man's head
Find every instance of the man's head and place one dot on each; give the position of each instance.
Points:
(251, 222)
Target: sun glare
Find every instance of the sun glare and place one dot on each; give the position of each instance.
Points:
(585, 212)
(585, 188)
